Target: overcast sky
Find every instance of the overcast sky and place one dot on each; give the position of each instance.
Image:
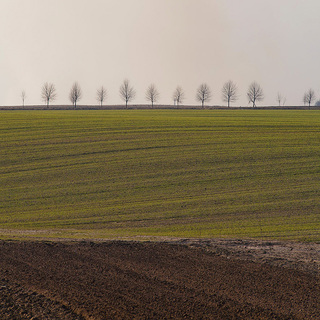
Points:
(165, 42)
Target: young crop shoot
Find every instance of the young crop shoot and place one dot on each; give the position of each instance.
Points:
(48, 93)
(127, 93)
(255, 93)
(203, 94)
(178, 96)
(152, 94)
(229, 92)
(101, 95)
(75, 94)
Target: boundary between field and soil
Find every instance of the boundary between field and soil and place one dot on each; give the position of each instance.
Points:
(302, 256)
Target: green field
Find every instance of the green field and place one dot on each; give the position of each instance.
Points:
(176, 173)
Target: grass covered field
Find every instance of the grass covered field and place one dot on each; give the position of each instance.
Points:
(195, 173)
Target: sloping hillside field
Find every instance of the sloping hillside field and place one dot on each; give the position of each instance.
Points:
(169, 173)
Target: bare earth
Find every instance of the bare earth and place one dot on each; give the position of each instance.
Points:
(168, 279)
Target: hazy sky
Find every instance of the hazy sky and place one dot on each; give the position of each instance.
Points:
(165, 42)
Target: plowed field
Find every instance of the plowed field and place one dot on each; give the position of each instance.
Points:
(132, 280)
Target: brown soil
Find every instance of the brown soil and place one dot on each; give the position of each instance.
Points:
(176, 279)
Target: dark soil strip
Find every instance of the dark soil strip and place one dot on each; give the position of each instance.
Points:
(132, 280)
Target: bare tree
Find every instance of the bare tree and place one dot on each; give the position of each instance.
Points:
(255, 93)
(203, 94)
(75, 94)
(23, 97)
(229, 92)
(152, 94)
(48, 93)
(279, 98)
(284, 101)
(101, 95)
(309, 97)
(178, 95)
(127, 93)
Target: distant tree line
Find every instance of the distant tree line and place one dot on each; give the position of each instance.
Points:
(229, 94)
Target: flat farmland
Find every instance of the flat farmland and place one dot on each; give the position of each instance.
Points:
(100, 174)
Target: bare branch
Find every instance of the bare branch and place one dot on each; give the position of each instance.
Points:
(152, 94)
(127, 93)
(284, 101)
(279, 98)
(23, 97)
(48, 93)
(178, 95)
(75, 94)
(309, 97)
(229, 92)
(255, 93)
(203, 94)
(101, 95)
